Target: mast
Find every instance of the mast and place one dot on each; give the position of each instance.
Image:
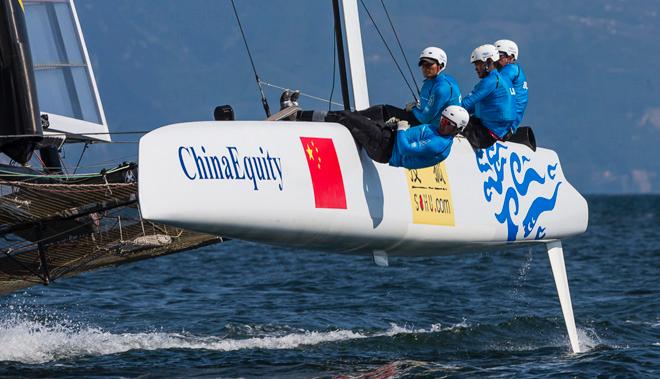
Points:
(355, 54)
(341, 58)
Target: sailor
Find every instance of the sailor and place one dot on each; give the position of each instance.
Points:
(439, 90)
(491, 102)
(508, 67)
(419, 146)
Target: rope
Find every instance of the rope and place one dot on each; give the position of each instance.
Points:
(389, 50)
(264, 101)
(81, 157)
(399, 43)
(304, 94)
(43, 165)
(57, 176)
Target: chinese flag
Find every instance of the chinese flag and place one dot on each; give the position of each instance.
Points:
(325, 171)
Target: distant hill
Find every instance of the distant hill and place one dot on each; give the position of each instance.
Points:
(590, 67)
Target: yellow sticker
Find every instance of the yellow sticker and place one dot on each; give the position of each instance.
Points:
(430, 196)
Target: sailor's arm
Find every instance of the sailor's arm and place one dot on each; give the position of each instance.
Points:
(480, 91)
(431, 110)
(417, 147)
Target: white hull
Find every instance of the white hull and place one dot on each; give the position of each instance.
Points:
(462, 204)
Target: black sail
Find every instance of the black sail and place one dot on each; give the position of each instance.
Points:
(19, 107)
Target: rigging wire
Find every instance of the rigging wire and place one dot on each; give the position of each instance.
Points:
(396, 35)
(81, 157)
(65, 169)
(43, 165)
(73, 136)
(59, 176)
(110, 161)
(303, 94)
(264, 101)
(389, 50)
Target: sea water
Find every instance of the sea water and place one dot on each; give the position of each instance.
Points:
(245, 310)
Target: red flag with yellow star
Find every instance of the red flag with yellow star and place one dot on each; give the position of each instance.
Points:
(325, 171)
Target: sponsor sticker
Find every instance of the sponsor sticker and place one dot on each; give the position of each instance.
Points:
(430, 196)
(232, 165)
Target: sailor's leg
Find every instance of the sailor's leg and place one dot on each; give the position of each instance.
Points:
(477, 134)
(556, 255)
(373, 136)
(374, 112)
(401, 114)
(315, 116)
(384, 112)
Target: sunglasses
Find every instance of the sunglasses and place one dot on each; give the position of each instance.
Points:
(444, 121)
(427, 64)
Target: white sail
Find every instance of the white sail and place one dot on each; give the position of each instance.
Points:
(66, 86)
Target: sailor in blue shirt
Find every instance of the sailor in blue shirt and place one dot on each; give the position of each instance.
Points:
(414, 147)
(491, 101)
(439, 90)
(509, 68)
(426, 145)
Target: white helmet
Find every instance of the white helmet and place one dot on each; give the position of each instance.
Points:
(457, 115)
(507, 46)
(483, 52)
(436, 54)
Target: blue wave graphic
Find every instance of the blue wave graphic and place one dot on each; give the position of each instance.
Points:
(505, 214)
(531, 176)
(483, 167)
(494, 184)
(491, 159)
(540, 233)
(540, 205)
(495, 164)
(492, 162)
(552, 171)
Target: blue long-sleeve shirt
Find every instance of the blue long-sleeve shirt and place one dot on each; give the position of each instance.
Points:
(436, 95)
(517, 77)
(420, 146)
(492, 101)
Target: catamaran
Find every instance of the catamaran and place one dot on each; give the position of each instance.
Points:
(308, 185)
(300, 184)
